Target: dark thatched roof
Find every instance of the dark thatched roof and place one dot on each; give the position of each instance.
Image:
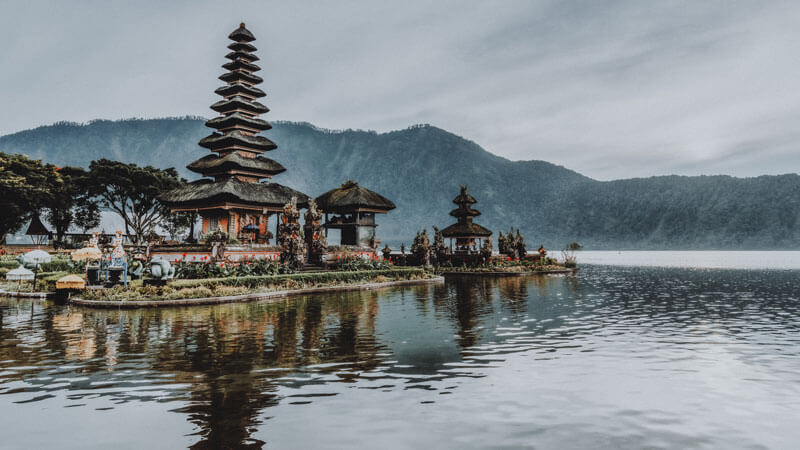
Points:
(465, 211)
(36, 227)
(241, 34)
(239, 88)
(247, 56)
(242, 47)
(240, 119)
(207, 193)
(466, 230)
(219, 164)
(239, 75)
(241, 64)
(351, 196)
(464, 198)
(238, 102)
(216, 141)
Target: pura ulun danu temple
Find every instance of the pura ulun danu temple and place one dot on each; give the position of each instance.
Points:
(231, 196)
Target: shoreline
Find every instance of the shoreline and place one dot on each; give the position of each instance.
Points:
(498, 273)
(39, 295)
(252, 297)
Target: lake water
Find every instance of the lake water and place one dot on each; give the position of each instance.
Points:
(615, 357)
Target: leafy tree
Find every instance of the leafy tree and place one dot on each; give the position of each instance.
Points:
(70, 197)
(25, 186)
(178, 223)
(88, 216)
(130, 191)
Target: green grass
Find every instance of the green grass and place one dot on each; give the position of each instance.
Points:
(219, 287)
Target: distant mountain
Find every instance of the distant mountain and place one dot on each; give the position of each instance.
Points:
(421, 167)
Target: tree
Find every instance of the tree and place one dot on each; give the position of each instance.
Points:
(88, 216)
(130, 191)
(70, 197)
(177, 223)
(25, 186)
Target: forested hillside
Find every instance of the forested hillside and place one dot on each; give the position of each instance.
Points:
(420, 169)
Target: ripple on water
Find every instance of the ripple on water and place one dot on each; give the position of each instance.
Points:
(615, 357)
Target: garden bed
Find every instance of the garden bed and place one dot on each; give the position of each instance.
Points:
(236, 289)
(508, 270)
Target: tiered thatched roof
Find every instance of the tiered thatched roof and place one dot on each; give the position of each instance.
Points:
(464, 228)
(205, 192)
(237, 166)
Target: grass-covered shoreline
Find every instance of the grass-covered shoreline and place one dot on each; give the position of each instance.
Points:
(233, 286)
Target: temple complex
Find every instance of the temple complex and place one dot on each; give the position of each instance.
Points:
(231, 196)
(468, 236)
(351, 209)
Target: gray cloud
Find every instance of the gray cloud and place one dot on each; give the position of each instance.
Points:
(611, 89)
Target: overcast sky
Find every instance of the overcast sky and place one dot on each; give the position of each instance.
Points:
(610, 89)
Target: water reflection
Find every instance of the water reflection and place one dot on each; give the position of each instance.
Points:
(225, 368)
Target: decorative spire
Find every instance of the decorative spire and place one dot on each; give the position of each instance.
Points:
(464, 212)
(238, 125)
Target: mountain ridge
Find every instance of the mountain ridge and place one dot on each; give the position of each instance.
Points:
(421, 167)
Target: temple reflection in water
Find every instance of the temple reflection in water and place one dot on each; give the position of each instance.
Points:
(231, 360)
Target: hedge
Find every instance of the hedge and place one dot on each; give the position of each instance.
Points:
(310, 277)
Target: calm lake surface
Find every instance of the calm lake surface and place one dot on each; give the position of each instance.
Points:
(615, 357)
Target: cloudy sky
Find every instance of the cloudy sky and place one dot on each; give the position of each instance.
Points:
(610, 89)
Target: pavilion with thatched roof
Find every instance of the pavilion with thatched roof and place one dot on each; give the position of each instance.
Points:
(468, 236)
(37, 231)
(353, 208)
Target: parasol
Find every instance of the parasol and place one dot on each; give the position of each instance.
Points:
(86, 254)
(252, 228)
(36, 257)
(70, 282)
(20, 274)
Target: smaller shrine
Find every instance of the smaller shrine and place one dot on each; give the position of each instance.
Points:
(37, 231)
(465, 236)
(351, 209)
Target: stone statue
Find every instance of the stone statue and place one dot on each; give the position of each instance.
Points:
(292, 245)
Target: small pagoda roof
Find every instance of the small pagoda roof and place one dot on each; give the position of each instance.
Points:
(232, 161)
(242, 47)
(466, 230)
(241, 34)
(465, 212)
(203, 193)
(240, 76)
(241, 64)
(240, 88)
(238, 120)
(247, 56)
(464, 198)
(238, 102)
(217, 141)
(350, 196)
(36, 227)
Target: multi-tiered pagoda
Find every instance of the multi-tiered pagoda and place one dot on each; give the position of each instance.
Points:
(467, 235)
(231, 196)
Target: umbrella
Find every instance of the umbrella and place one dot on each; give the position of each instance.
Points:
(19, 274)
(70, 282)
(35, 257)
(252, 228)
(86, 254)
